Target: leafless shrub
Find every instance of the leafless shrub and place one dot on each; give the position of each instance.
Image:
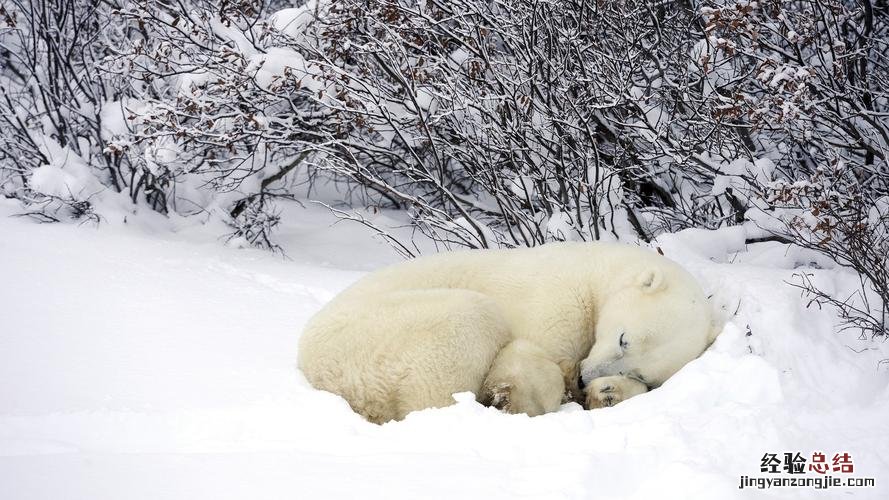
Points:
(254, 224)
(833, 215)
(818, 96)
(53, 99)
(523, 122)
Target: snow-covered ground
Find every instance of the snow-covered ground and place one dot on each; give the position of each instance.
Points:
(140, 363)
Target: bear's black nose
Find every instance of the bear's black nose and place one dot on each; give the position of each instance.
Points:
(580, 383)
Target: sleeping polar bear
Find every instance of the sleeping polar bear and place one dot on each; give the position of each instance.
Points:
(519, 328)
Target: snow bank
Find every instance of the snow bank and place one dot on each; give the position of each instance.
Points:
(163, 366)
(66, 175)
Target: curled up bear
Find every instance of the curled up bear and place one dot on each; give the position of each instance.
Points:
(524, 329)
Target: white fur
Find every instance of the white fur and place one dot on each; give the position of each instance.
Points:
(512, 326)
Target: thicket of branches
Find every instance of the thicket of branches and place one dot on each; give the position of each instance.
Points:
(492, 123)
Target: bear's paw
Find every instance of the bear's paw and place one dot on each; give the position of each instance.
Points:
(609, 391)
(498, 396)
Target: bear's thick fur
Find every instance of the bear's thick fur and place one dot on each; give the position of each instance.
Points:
(517, 327)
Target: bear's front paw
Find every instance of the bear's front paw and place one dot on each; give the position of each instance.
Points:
(609, 391)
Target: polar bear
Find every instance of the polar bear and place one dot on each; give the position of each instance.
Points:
(524, 329)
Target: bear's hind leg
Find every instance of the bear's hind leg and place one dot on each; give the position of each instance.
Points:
(523, 380)
(446, 345)
(396, 352)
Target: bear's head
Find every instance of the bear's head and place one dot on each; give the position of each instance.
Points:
(650, 328)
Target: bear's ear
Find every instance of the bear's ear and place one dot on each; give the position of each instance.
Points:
(651, 280)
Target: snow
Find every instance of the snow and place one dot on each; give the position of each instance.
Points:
(150, 360)
(66, 176)
(54, 180)
(113, 119)
(295, 22)
(275, 64)
(560, 227)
